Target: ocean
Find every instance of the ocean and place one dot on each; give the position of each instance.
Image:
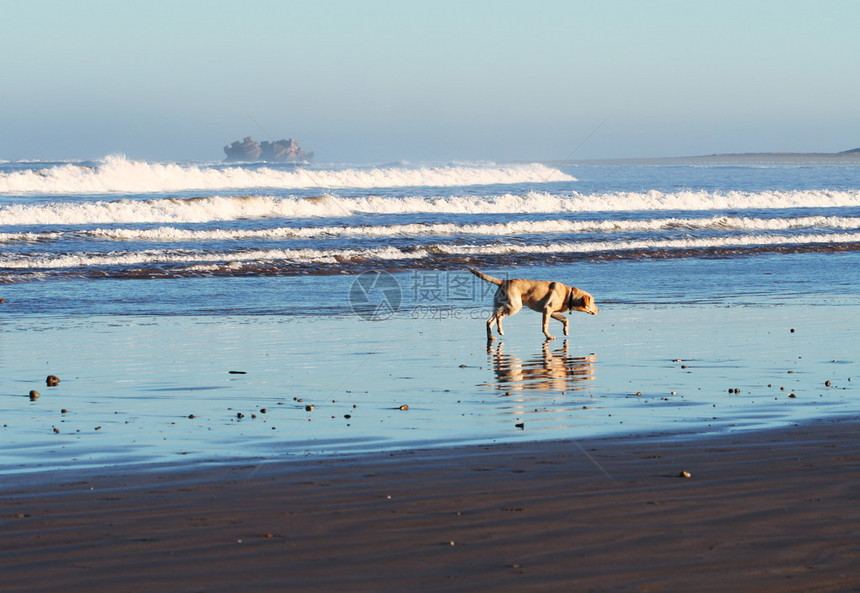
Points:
(178, 300)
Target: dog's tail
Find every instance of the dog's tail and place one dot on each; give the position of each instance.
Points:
(484, 277)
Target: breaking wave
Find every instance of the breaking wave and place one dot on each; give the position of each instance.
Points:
(514, 228)
(224, 208)
(392, 253)
(116, 174)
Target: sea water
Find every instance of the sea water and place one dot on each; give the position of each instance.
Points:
(209, 311)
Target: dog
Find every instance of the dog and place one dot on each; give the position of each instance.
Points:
(551, 299)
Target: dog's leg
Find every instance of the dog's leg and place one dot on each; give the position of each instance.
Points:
(499, 317)
(545, 325)
(564, 320)
(490, 322)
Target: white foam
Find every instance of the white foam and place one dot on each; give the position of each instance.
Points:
(301, 256)
(514, 228)
(220, 208)
(116, 174)
(648, 244)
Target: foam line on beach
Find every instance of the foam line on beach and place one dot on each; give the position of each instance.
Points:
(417, 252)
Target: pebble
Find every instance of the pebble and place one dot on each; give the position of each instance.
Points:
(685, 474)
(404, 407)
(827, 383)
(52, 380)
(34, 395)
(309, 408)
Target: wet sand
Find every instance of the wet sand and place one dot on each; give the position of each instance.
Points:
(773, 510)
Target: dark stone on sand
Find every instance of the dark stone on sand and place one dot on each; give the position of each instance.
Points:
(52, 380)
(827, 383)
(309, 408)
(520, 425)
(34, 395)
(237, 372)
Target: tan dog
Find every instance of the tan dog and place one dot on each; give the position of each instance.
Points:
(549, 298)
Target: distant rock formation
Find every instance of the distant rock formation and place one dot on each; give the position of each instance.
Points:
(279, 150)
(852, 151)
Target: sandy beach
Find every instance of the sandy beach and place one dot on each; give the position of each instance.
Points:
(761, 511)
(522, 466)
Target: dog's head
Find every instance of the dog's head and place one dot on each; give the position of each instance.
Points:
(580, 300)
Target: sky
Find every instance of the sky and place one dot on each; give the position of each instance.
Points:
(428, 81)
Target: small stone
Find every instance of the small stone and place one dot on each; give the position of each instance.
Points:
(34, 395)
(827, 383)
(56, 430)
(791, 395)
(685, 474)
(404, 407)
(52, 380)
(191, 416)
(240, 415)
(521, 425)
(309, 408)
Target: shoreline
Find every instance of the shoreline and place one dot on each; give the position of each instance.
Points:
(771, 509)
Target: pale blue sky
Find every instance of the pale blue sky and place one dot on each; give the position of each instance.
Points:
(437, 80)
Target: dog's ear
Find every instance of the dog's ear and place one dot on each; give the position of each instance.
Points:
(590, 305)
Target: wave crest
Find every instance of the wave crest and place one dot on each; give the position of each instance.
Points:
(222, 208)
(116, 174)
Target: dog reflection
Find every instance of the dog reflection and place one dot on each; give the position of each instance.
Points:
(552, 370)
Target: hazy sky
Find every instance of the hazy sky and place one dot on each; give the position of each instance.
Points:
(375, 81)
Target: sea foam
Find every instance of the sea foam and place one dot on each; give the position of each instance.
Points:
(417, 252)
(225, 208)
(116, 174)
(514, 228)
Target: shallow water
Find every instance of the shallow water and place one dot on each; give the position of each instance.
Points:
(208, 388)
(177, 301)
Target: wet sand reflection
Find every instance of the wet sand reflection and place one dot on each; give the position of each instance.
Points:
(551, 370)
